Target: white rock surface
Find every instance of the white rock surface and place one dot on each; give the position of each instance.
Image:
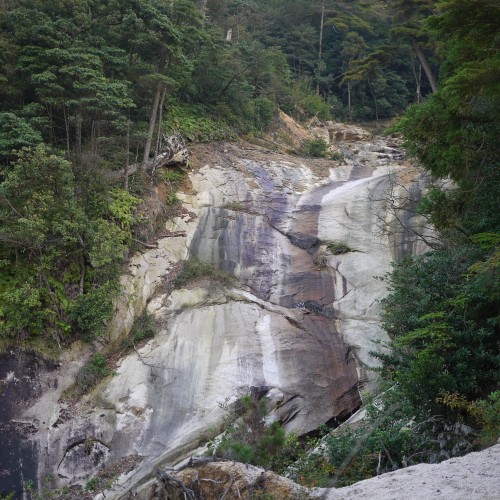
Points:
(475, 476)
(298, 326)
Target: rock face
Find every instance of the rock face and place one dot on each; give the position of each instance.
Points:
(22, 377)
(305, 240)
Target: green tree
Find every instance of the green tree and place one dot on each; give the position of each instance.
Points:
(410, 15)
(16, 133)
(442, 313)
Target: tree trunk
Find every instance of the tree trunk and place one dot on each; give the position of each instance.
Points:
(127, 154)
(152, 122)
(349, 101)
(374, 99)
(320, 51)
(203, 7)
(78, 146)
(160, 118)
(159, 131)
(425, 65)
(66, 126)
(51, 121)
(418, 82)
(93, 136)
(154, 109)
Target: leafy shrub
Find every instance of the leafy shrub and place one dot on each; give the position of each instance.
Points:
(264, 111)
(196, 124)
(195, 269)
(314, 105)
(305, 103)
(440, 318)
(172, 176)
(144, 328)
(91, 373)
(335, 155)
(247, 438)
(299, 460)
(122, 208)
(315, 148)
(91, 311)
(16, 133)
(338, 248)
(485, 412)
(394, 435)
(92, 484)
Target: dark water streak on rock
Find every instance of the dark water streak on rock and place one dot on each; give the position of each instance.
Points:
(21, 382)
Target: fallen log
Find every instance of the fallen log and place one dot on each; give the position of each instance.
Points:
(173, 153)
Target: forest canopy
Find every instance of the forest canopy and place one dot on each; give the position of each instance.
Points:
(85, 84)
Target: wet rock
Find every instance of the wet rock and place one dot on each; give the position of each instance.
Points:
(299, 330)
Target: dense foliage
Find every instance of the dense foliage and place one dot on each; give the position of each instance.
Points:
(441, 373)
(443, 313)
(88, 86)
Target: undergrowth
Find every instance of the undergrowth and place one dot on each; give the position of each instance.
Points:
(144, 328)
(90, 374)
(195, 269)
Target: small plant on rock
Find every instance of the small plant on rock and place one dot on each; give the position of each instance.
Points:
(248, 439)
(338, 248)
(195, 269)
(315, 148)
(91, 373)
(144, 328)
(320, 259)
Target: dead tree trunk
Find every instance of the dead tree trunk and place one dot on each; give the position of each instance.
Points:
(152, 122)
(173, 153)
(154, 110)
(425, 65)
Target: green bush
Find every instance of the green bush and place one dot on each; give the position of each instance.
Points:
(298, 460)
(441, 321)
(338, 248)
(305, 103)
(195, 269)
(485, 412)
(316, 148)
(91, 373)
(172, 176)
(122, 208)
(247, 438)
(16, 133)
(315, 105)
(393, 435)
(91, 311)
(197, 124)
(144, 328)
(92, 484)
(264, 111)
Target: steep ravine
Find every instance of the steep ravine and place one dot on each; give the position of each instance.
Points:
(297, 326)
